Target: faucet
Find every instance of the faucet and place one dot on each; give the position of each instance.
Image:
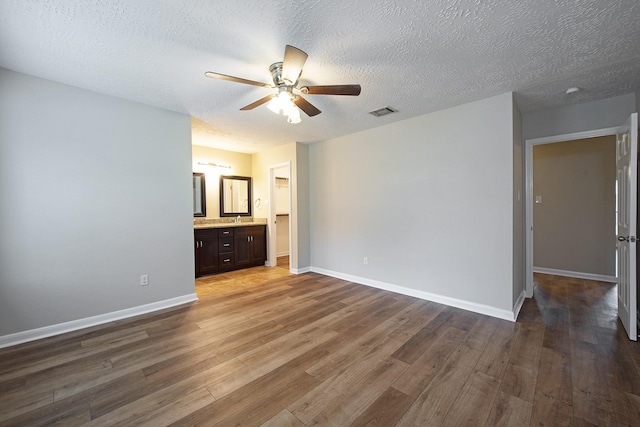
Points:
(237, 220)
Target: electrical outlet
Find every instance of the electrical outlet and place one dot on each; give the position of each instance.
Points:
(365, 261)
(144, 280)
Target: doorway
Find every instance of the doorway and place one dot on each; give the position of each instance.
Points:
(280, 220)
(574, 208)
(531, 197)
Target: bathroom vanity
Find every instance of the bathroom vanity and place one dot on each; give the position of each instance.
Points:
(229, 246)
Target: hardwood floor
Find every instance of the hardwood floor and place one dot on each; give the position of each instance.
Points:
(283, 261)
(263, 347)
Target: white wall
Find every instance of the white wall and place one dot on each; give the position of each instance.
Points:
(518, 208)
(282, 190)
(587, 116)
(94, 192)
(451, 173)
(282, 235)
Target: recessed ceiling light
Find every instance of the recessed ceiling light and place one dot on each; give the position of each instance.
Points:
(572, 90)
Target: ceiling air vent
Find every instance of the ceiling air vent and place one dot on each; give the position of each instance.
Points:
(383, 111)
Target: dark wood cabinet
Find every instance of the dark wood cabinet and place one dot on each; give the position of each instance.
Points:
(231, 248)
(259, 248)
(206, 246)
(250, 246)
(241, 250)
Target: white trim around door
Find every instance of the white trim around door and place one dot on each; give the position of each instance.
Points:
(272, 256)
(528, 167)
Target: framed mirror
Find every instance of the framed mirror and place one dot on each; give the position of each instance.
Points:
(235, 195)
(199, 195)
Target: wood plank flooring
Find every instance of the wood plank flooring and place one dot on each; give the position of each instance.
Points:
(283, 261)
(265, 348)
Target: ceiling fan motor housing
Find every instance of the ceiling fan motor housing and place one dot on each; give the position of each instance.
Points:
(276, 74)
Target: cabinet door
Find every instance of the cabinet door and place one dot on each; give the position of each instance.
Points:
(258, 247)
(242, 251)
(206, 246)
(208, 256)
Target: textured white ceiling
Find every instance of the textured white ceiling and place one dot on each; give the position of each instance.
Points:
(415, 56)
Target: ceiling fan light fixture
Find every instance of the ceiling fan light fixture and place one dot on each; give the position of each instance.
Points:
(274, 105)
(294, 115)
(283, 104)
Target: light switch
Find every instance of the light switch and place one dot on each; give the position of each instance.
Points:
(538, 199)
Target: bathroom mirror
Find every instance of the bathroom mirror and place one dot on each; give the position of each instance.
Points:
(199, 195)
(235, 195)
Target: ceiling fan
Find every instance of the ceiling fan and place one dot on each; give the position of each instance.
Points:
(285, 76)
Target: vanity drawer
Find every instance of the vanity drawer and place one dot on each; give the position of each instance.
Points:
(226, 261)
(206, 233)
(225, 232)
(225, 244)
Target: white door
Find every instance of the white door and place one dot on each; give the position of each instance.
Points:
(627, 167)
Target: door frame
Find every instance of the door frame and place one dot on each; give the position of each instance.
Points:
(528, 167)
(272, 256)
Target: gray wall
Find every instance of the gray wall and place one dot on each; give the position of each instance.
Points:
(601, 114)
(428, 200)
(302, 191)
(574, 226)
(94, 192)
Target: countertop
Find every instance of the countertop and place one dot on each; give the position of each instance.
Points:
(226, 223)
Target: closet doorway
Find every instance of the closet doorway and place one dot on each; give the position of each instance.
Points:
(280, 215)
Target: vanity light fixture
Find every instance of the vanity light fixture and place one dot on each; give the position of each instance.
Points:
(215, 165)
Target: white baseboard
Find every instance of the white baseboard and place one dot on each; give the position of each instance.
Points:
(74, 325)
(300, 270)
(576, 274)
(518, 305)
(453, 302)
(283, 254)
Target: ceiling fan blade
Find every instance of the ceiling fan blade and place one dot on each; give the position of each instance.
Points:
(258, 103)
(292, 64)
(236, 79)
(352, 90)
(306, 106)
